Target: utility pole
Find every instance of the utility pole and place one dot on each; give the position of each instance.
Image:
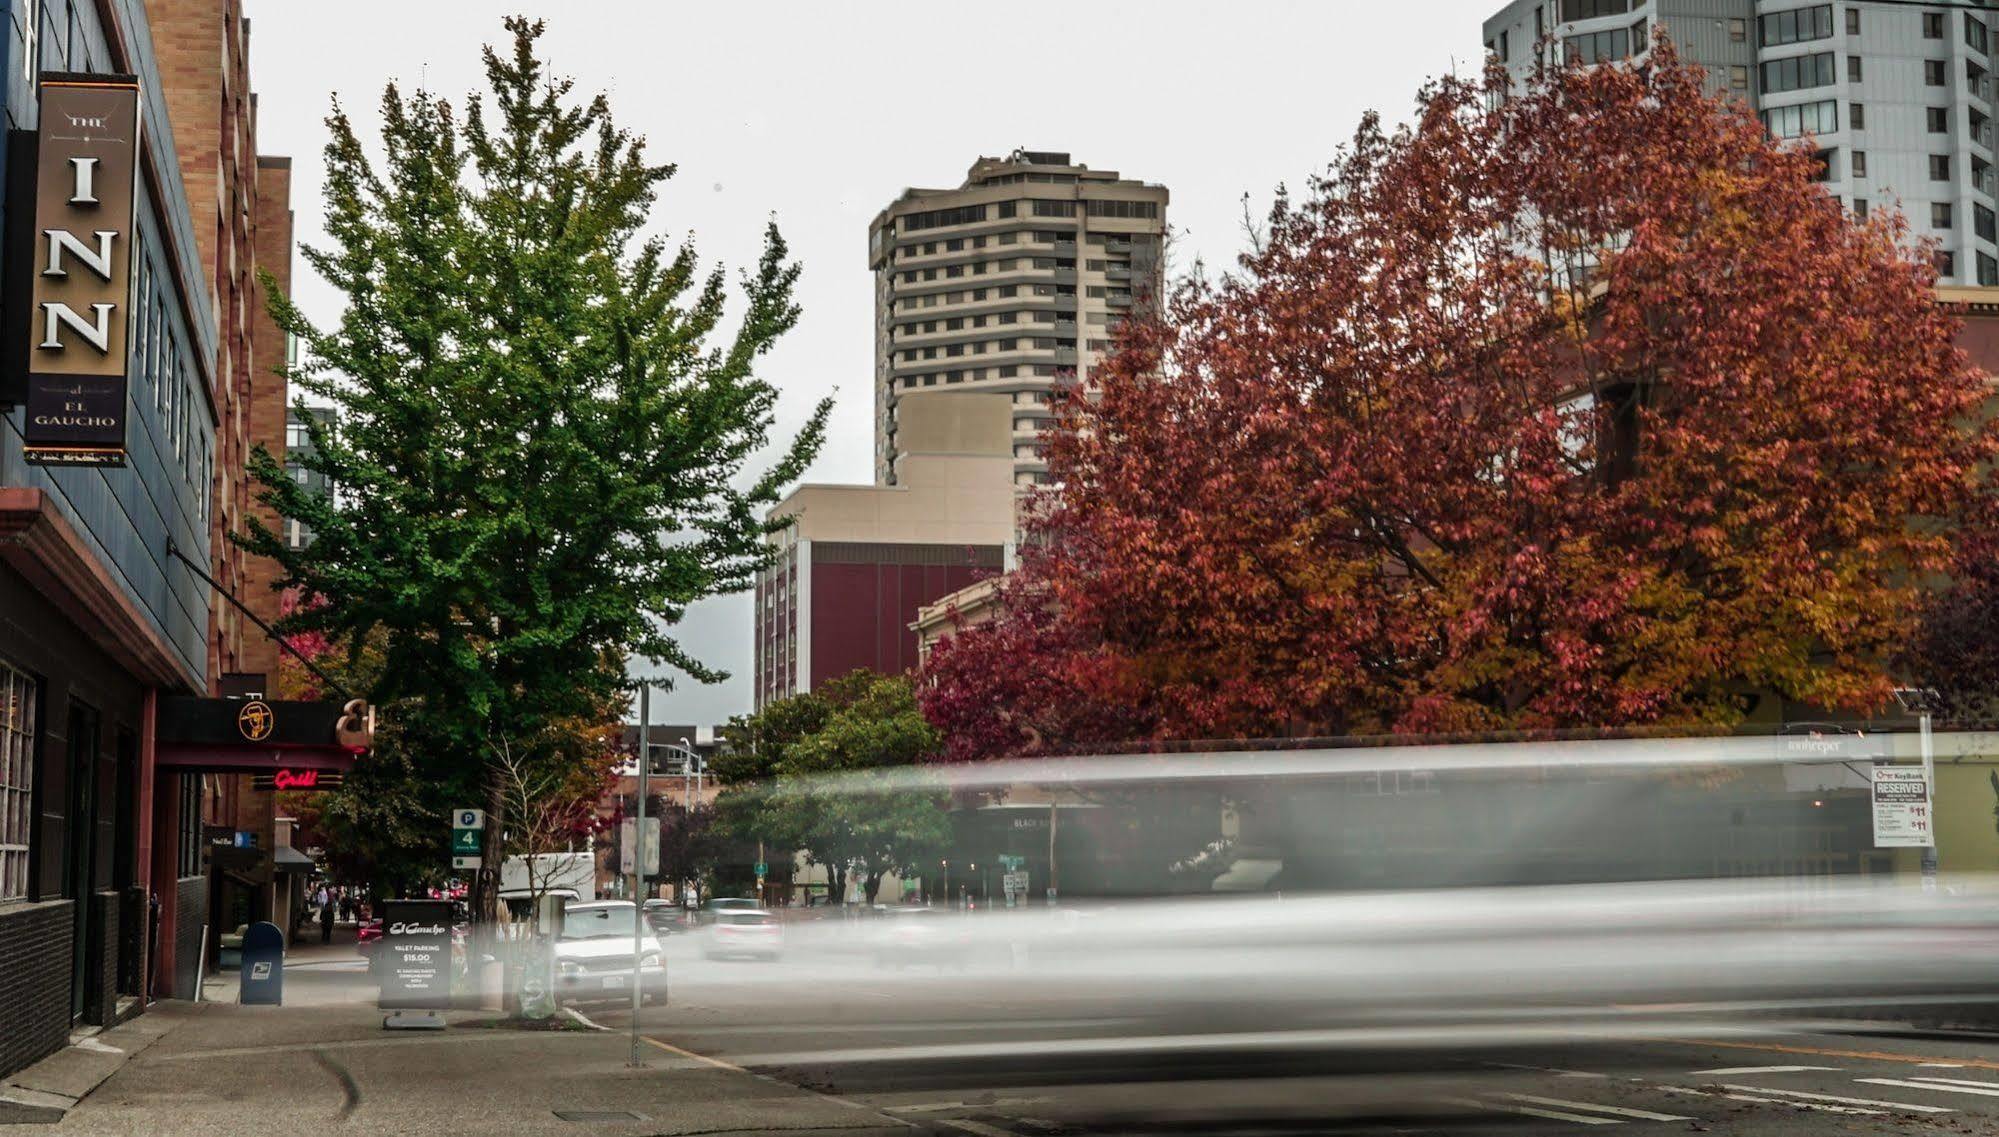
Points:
(639, 865)
(1922, 700)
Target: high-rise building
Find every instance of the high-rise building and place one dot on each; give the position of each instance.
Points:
(1896, 96)
(1012, 283)
(298, 445)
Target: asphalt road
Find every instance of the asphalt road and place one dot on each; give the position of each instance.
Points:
(1001, 1060)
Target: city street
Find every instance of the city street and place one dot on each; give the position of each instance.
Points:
(738, 1050)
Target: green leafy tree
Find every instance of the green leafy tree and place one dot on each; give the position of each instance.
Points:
(544, 438)
(799, 776)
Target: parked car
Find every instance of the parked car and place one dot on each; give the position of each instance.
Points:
(593, 956)
(744, 932)
(368, 935)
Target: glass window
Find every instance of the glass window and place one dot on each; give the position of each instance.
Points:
(1598, 47)
(1853, 69)
(1974, 33)
(1853, 21)
(1988, 270)
(1860, 207)
(1946, 262)
(1797, 73)
(1983, 222)
(1939, 119)
(1933, 72)
(1590, 9)
(1738, 29)
(1738, 77)
(1940, 215)
(1859, 163)
(1932, 25)
(1856, 115)
(1795, 26)
(17, 772)
(1821, 117)
(1939, 167)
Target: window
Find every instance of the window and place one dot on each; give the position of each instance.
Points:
(1988, 269)
(1823, 161)
(1940, 215)
(1974, 33)
(1006, 209)
(1853, 69)
(1505, 53)
(1853, 21)
(1859, 163)
(1738, 29)
(1860, 207)
(1597, 47)
(933, 218)
(1046, 208)
(1539, 24)
(1590, 9)
(1806, 118)
(1932, 25)
(188, 854)
(1795, 26)
(1945, 262)
(1939, 167)
(1144, 209)
(1798, 73)
(17, 771)
(1738, 78)
(1856, 115)
(1638, 35)
(1982, 222)
(1939, 119)
(1933, 72)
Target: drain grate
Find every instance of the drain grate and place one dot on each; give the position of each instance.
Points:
(599, 1115)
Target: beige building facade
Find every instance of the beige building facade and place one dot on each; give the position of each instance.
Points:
(1011, 284)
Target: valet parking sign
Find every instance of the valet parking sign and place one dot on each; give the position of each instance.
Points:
(1902, 817)
(415, 950)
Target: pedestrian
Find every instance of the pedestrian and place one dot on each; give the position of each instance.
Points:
(326, 923)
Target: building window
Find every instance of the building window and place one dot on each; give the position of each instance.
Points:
(1505, 53)
(1853, 21)
(1946, 262)
(1856, 115)
(188, 852)
(1046, 208)
(1859, 164)
(1806, 118)
(1982, 222)
(1988, 270)
(1638, 36)
(1939, 167)
(1974, 33)
(1853, 69)
(1939, 119)
(1860, 207)
(1591, 9)
(1940, 215)
(1795, 26)
(1798, 73)
(17, 766)
(1597, 47)
(1738, 78)
(1932, 25)
(1738, 29)
(1933, 72)
(1140, 209)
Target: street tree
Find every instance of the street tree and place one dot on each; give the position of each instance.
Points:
(545, 432)
(804, 775)
(1578, 405)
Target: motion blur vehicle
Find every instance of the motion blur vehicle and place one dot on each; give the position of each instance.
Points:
(913, 936)
(740, 932)
(664, 917)
(593, 956)
(722, 904)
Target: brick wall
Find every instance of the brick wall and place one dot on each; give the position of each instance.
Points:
(191, 895)
(34, 981)
(100, 996)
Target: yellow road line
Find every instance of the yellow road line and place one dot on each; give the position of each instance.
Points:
(1876, 1055)
(703, 1058)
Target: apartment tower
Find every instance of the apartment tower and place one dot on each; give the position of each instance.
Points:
(1013, 283)
(1897, 96)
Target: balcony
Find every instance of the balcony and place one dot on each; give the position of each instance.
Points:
(1065, 248)
(1118, 300)
(1065, 355)
(1065, 276)
(1114, 272)
(1118, 246)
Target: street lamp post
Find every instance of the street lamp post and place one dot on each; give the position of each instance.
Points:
(1922, 700)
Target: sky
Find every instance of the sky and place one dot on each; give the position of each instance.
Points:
(820, 114)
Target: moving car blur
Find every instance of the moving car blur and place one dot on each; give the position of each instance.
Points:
(739, 933)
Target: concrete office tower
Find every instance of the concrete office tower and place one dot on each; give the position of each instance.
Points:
(1896, 96)
(1011, 284)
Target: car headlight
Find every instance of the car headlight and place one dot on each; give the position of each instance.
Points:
(649, 959)
(568, 966)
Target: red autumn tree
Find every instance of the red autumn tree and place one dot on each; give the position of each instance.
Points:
(1580, 407)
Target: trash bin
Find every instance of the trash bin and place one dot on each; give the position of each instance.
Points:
(263, 975)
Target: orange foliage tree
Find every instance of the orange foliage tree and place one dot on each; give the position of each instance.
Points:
(1577, 405)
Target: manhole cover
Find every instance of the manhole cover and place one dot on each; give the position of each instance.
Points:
(599, 1115)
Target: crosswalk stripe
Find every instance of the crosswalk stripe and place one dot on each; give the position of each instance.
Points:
(1620, 1111)
(1530, 1111)
(1982, 1089)
(1953, 1081)
(1842, 1100)
(1773, 1101)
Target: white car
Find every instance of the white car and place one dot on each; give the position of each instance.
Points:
(744, 932)
(593, 956)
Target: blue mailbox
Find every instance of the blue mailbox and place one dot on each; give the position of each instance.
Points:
(263, 974)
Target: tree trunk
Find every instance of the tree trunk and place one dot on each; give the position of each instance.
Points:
(836, 885)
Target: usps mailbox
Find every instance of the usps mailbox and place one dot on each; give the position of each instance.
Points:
(263, 974)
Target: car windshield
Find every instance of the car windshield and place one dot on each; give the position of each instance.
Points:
(597, 923)
(746, 918)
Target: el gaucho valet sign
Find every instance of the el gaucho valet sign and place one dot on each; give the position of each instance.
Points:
(86, 164)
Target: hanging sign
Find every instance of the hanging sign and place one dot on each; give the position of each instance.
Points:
(87, 159)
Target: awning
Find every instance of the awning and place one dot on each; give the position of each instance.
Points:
(287, 859)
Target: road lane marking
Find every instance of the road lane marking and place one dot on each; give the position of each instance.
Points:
(701, 1058)
(978, 1127)
(1990, 1090)
(1530, 1111)
(1942, 1065)
(1555, 1070)
(1620, 1111)
(940, 1106)
(1779, 1048)
(1770, 1101)
(1841, 1100)
(1957, 1081)
(1764, 1069)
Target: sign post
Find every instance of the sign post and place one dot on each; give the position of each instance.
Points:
(415, 970)
(468, 827)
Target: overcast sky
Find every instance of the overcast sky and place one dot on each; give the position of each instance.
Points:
(821, 113)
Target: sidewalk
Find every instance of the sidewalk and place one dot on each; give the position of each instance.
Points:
(228, 1068)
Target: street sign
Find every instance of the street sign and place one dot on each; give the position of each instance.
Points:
(465, 862)
(1011, 861)
(468, 819)
(763, 870)
(628, 844)
(1902, 816)
(1015, 885)
(468, 831)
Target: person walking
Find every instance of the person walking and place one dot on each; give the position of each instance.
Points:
(326, 923)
